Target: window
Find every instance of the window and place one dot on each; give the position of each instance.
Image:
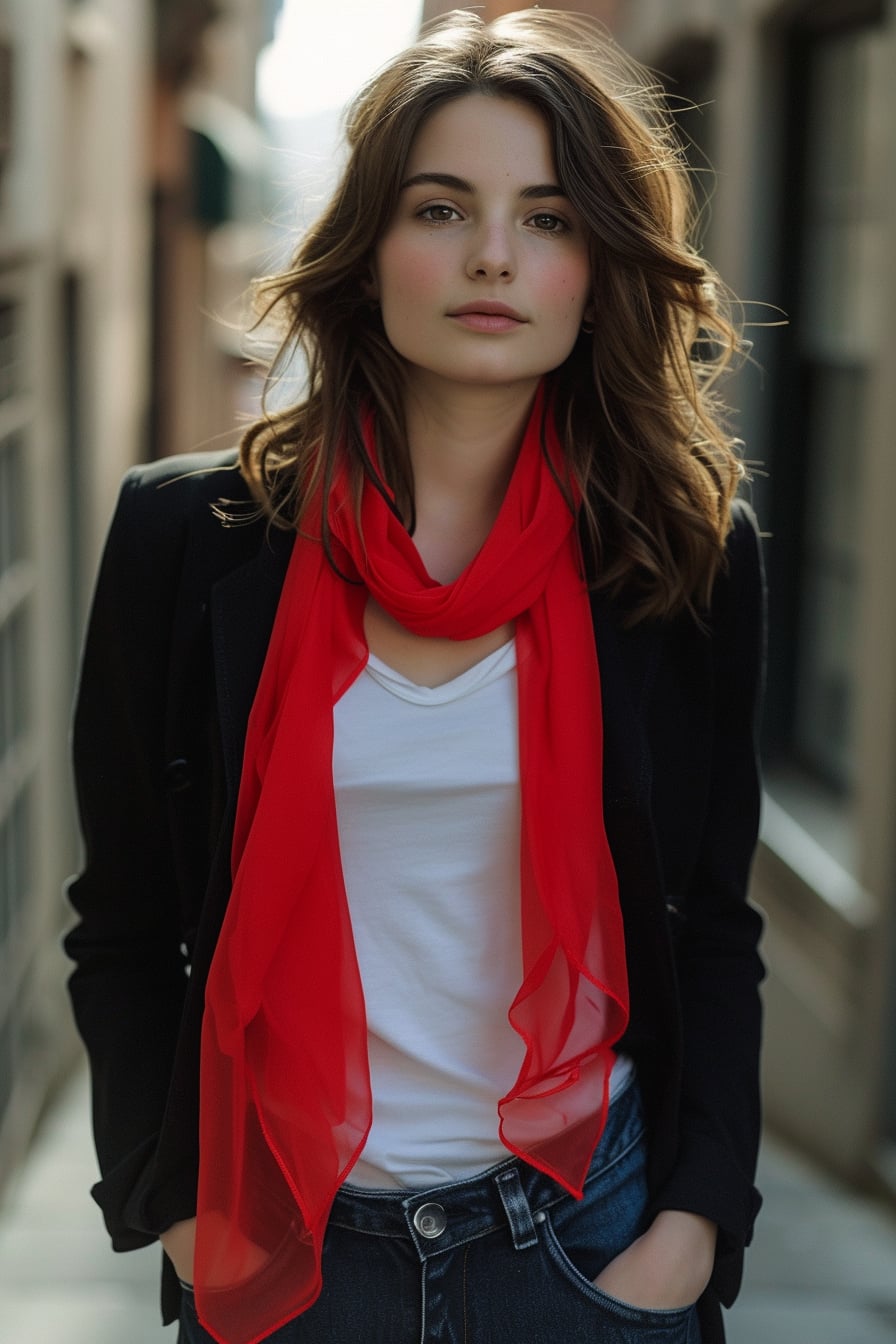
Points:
(833, 238)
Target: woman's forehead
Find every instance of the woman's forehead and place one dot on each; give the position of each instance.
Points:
(477, 134)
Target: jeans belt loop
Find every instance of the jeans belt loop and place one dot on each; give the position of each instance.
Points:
(516, 1206)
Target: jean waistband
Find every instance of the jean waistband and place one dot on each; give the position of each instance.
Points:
(513, 1192)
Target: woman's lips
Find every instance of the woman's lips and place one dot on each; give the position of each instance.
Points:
(487, 315)
(487, 321)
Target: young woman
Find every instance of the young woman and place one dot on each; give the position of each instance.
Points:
(415, 753)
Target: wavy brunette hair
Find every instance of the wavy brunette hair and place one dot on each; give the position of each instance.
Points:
(636, 408)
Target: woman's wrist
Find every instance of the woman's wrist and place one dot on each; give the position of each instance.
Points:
(179, 1244)
(687, 1243)
(668, 1266)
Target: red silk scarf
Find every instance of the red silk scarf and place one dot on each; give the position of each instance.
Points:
(285, 1090)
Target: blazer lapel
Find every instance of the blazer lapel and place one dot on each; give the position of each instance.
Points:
(627, 660)
(243, 607)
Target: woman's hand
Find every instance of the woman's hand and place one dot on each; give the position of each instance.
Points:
(179, 1244)
(668, 1267)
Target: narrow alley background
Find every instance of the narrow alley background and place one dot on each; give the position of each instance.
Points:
(155, 155)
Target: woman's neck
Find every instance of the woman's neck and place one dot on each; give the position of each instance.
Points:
(463, 449)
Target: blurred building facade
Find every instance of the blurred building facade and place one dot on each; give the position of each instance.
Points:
(796, 111)
(129, 171)
(794, 106)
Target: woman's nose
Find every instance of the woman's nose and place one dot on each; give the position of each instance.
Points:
(492, 255)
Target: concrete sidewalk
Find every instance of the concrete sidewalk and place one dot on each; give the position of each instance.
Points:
(822, 1269)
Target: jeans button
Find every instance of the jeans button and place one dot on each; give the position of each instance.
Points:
(430, 1220)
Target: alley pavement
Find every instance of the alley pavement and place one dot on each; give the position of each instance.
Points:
(822, 1269)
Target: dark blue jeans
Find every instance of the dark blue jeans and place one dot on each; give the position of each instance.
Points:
(505, 1258)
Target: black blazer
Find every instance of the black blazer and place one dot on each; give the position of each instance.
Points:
(181, 618)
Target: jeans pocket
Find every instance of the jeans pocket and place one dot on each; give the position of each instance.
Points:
(630, 1324)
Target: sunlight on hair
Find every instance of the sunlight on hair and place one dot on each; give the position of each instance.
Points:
(324, 51)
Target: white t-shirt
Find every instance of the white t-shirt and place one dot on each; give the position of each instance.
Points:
(428, 807)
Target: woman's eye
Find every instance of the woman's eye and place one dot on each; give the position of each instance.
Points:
(548, 223)
(439, 214)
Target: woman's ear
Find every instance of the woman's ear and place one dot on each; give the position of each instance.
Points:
(370, 285)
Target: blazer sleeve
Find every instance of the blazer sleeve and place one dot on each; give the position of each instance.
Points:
(129, 981)
(719, 966)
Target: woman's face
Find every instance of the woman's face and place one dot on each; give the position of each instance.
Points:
(482, 274)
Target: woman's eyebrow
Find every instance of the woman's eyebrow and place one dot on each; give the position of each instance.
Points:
(438, 180)
(539, 191)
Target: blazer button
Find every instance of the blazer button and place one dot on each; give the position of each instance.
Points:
(177, 775)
